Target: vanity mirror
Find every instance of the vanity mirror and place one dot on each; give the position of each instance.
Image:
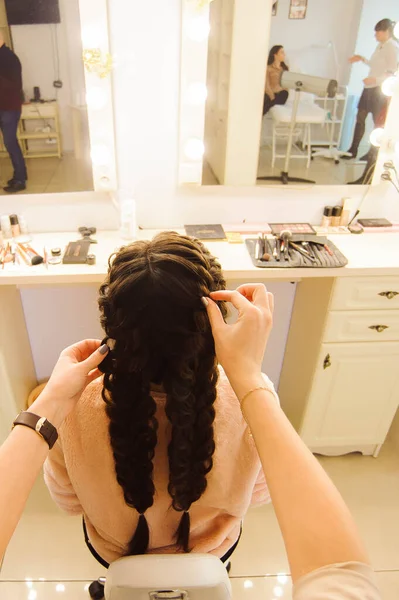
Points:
(56, 111)
(237, 111)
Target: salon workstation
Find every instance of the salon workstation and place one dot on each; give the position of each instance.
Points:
(333, 354)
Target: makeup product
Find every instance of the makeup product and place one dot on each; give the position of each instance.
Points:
(328, 250)
(91, 259)
(327, 216)
(6, 227)
(346, 211)
(286, 237)
(374, 222)
(32, 256)
(278, 246)
(301, 228)
(55, 251)
(356, 228)
(76, 253)
(336, 216)
(45, 256)
(275, 250)
(23, 225)
(302, 251)
(307, 246)
(54, 260)
(259, 248)
(22, 255)
(15, 230)
(353, 218)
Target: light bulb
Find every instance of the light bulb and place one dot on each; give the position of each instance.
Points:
(376, 136)
(198, 28)
(60, 587)
(396, 30)
(100, 155)
(390, 85)
(92, 36)
(248, 584)
(32, 595)
(197, 93)
(96, 98)
(194, 149)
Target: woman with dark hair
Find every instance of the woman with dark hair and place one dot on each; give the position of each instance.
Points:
(157, 456)
(274, 93)
(383, 63)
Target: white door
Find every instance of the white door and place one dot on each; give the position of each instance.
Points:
(354, 396)
(218, 84)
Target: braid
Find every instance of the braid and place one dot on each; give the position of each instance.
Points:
(160, 333)
(133, 436)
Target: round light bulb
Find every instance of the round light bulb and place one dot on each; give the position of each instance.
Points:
(96, 98)
(376, 136)
(390, 85)
(60, 587)
(198, 28)
(248, 584)
(197, 93)
(100, 155)
(396, 30)
(92, 36)
(194, 149)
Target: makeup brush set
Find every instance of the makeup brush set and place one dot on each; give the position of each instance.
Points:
(289, 250)
(17, 253)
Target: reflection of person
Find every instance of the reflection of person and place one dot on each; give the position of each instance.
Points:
(10, 114)
(383, 63)
(274, 93)
(324, 553)
(155, 418)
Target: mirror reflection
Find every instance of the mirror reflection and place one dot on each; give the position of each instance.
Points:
(325, 139)
(44, 143)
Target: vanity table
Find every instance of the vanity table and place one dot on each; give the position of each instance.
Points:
(339, 384)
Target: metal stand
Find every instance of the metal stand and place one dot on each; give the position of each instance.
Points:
(332, 151)
(284, 177)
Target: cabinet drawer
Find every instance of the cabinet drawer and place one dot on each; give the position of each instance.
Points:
(366, 292)
(362, 326)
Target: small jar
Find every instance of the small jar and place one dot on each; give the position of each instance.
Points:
(6, 226)
(336, 216)
(327, 216)
(15, 230)
(23, 225)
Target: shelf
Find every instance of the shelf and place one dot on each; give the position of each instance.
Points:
(37, 117)
(38, 136)
(40, 154)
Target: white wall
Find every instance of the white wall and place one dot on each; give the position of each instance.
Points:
(35, 48)
(373, 11)
(326, 20)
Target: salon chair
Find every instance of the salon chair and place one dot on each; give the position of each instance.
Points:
(168, 577)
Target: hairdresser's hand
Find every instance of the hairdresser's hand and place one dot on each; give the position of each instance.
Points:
(356, 58)
(240, 347)
(75, 369)
(370, 81)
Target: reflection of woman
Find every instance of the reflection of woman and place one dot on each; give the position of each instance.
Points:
(384, 62)
(274, 93)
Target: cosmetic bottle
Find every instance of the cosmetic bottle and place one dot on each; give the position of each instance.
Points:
(6, 227)
(346, 211)
(327, 216)
(336, 216)
(15, 230)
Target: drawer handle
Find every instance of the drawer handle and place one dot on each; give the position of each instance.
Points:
(327, 362)
(389, 295)
(379, 328)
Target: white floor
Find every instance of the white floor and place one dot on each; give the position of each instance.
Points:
(47, 558)
(66, 174)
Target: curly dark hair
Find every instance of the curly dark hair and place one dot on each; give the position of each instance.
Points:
(159, 333)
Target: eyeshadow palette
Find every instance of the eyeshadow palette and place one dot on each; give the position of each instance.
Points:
(302, 228)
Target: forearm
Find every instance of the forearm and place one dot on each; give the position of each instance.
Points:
(21, 457)
(317, 527)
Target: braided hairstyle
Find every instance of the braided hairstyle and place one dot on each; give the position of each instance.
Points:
(159, 332)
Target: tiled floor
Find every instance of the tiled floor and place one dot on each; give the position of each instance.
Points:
(47, 558)
(51, 175)
(322, 171)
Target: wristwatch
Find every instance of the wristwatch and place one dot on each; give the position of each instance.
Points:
(39, 424)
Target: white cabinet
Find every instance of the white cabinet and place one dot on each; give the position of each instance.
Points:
(353, 398)
(340, 380)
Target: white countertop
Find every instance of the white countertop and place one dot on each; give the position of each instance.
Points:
(374, 254)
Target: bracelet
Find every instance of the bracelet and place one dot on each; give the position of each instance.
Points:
(260, 387)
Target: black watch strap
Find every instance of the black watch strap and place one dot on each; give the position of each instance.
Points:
(39, 424)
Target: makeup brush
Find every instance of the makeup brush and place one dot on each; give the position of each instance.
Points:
(285, 237)
(31, 255)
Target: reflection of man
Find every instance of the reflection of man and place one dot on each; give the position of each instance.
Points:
(10, 114)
